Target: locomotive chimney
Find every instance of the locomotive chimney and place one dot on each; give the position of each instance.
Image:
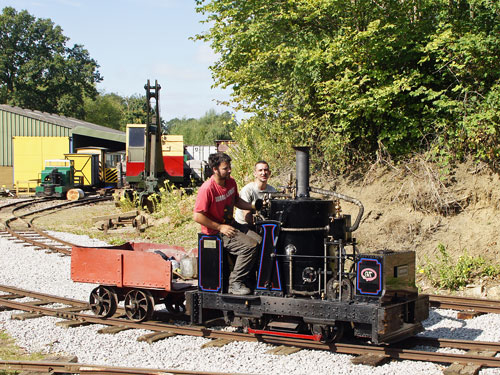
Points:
(302, 170)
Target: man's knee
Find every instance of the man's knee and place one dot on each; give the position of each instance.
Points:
(240, 243)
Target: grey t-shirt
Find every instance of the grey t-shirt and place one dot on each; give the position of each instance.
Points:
(250, 193)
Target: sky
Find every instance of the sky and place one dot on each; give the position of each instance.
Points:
(137, 40)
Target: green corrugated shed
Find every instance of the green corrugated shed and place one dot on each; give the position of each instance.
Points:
(15, 121)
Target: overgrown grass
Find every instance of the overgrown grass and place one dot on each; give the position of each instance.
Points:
(174, 203)
(9, 351)
(171, 221)
(447, 273)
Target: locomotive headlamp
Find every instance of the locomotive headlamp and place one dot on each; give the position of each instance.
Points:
(290, 249)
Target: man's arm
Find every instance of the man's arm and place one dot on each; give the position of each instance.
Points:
(202, 219)
(243, 205)
(246, 195)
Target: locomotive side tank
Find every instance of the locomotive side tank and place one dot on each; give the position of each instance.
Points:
(311, 280)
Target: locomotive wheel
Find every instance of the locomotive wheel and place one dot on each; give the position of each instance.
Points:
(329, 333)
(103, 301)
(174, 305)
(139, 305)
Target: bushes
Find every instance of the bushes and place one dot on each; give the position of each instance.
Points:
(446, 273)
(345, 77)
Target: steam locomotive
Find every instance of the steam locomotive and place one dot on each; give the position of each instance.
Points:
(311, 281)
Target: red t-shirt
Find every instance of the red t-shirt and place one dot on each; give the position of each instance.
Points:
(216, 202)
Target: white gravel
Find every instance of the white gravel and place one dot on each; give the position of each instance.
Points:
(27, 268)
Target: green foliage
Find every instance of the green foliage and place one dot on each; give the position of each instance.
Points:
(127, 203)
(205, 130)
(170, 201)
(449, 274)
(171, 222)
(347, 77)
(115, 111)
(256, 140)
(105, 110)
(135, 110)
(38, 70)
(174, 203)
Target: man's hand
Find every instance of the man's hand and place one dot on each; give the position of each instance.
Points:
(227, 230)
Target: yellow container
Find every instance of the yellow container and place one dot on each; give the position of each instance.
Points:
(30, 154)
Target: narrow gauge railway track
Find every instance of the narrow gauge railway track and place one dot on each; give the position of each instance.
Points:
(465, 304)
(76, 368)
(38, 237)
(399, 351)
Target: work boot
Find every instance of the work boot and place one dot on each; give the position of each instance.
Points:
(238, 289)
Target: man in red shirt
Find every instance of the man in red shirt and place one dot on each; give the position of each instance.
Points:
(214, 211)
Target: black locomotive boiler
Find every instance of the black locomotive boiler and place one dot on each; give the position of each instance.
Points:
(311, 280)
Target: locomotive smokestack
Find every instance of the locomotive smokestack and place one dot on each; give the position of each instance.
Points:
(302, 170)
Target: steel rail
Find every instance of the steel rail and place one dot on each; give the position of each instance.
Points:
(41, 232)
(76, 368)
(400, 352)
(452, 343)
(465, 304)
(41, 296)
(23, 201)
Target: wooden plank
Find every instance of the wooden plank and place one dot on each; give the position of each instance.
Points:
(217, 343)
(112, 329)
(155, 336)
(129, 214)
(72, 323)
(469, 368)
(464, 315)
(24, 316)
(370, 360)
(283, 350)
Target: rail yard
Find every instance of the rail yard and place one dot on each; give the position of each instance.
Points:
(167, 342)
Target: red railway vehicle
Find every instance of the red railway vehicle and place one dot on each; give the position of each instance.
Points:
(140, 274)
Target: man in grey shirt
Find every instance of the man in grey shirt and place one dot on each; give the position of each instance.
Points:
(254, 190)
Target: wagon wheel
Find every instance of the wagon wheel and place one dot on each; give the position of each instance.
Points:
(103, 301)
(139, 305)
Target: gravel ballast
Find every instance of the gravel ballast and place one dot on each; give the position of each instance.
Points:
(27, 268)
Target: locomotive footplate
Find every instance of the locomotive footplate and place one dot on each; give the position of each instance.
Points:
(375, 322)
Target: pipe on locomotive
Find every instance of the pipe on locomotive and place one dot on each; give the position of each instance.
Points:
(303, 188)
(355, 201)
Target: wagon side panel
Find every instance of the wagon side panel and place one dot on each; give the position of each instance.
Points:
(146, 270)
(97, 266)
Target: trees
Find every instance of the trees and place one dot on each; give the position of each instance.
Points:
(347, 77)
(106, 110)
(205, 130)
(37, 69)
(115, 111)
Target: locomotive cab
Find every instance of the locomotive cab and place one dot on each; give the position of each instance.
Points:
(311, 280)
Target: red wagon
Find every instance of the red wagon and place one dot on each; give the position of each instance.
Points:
(140, 274)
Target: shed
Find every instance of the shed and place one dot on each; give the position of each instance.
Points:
(21, 123)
